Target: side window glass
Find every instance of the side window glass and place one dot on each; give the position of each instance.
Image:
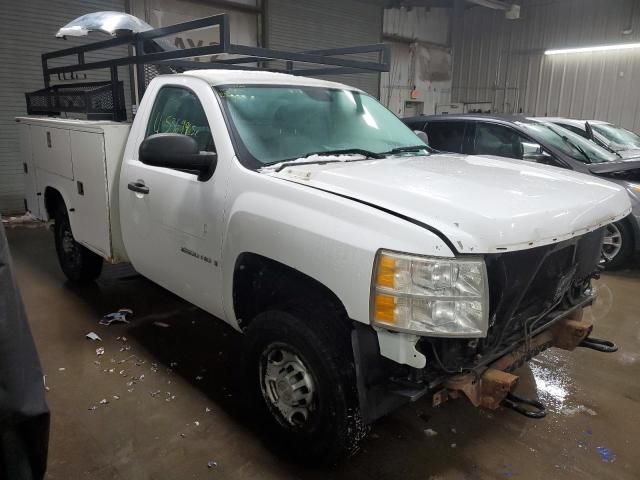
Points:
(499, 140)
(178, 110)
(446, 136)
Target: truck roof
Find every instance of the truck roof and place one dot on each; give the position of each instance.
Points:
(243, 77)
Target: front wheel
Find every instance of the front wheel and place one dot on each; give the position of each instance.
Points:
(301, 377)
(77, 262)
(618, 244)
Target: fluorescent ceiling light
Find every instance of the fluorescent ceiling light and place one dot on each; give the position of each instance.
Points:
(599, 48)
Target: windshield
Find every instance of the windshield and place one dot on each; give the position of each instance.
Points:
(618, 137)
(572, 144)
(280, 123)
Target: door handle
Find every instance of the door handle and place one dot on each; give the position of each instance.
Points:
(138, 187)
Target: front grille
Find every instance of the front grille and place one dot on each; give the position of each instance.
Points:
(526, 285)
(528, 289)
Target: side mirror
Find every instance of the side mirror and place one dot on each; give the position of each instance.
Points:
(536, 157)
(177, 151)
(422, 136)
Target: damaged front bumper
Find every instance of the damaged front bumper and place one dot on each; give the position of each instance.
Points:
(489, 384)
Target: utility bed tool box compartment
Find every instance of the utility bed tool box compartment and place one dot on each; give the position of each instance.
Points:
(80, 159)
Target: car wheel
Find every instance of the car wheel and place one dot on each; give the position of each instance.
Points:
(77, 262)
(301, 379)
(618, 244)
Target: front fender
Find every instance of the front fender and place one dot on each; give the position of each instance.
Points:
(331, 239)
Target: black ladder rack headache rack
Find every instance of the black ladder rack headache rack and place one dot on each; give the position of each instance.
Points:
(105, 100)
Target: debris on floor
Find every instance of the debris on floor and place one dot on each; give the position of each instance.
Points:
(606, 455)
(121, 316)
(429, 432)
(161, 324)
(100, 351)
(212, 464)
(104, 401)
(93, 336)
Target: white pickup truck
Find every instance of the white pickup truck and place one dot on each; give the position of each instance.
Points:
(364, 270)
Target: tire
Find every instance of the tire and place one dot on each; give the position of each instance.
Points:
(78, 263)
(618, 246)
(324, 425)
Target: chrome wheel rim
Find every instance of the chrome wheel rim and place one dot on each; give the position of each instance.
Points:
(287, 385)
(612, 242)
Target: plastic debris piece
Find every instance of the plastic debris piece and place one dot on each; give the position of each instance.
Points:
(155, 394)
(100, 351)
(121, 316)
(453, 430)
(606, 455)
(161, 324)
(116, 397)
(93, 336)
(182, 435)
(212, 464)
(104, 401)
(207, 409)
(130, 390)
(92, 408)
(44, 383)
(429, 432)
(199, 377)
(61, 369)
(196, 423)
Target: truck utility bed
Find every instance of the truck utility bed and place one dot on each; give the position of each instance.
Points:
(79, 158)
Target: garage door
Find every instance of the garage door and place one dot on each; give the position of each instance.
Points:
(318, 24)
(27, 29)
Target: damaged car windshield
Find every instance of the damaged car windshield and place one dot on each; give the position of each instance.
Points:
(618, 137)
(568, 142)
(277, 123)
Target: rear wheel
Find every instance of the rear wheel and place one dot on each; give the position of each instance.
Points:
(301, 378)
(618, 244)
(77, 262)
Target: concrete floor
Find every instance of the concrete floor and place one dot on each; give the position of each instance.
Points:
(183, 410)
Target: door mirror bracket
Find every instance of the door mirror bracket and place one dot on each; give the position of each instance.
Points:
(178, 152)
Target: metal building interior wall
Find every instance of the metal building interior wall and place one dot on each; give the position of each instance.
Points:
(502, 61)
(27, 29)
(420, 75)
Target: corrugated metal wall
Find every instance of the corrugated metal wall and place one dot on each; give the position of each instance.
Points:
(503, 61)
(316, 24)
(27, 30)
(420, 60)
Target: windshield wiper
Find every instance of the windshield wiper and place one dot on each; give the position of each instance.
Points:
(577, 147)
(412, 148)
(347, 151)
(325, 153)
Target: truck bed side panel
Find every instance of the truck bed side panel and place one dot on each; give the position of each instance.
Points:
(91, 206)
(30, 182)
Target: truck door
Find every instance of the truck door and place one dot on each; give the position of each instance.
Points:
(171, 221)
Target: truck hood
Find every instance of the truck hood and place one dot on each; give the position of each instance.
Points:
(480, 204)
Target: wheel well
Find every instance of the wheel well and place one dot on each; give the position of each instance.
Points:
(52, 198)
(260, 283)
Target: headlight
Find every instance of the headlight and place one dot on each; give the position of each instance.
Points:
(445, 297)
